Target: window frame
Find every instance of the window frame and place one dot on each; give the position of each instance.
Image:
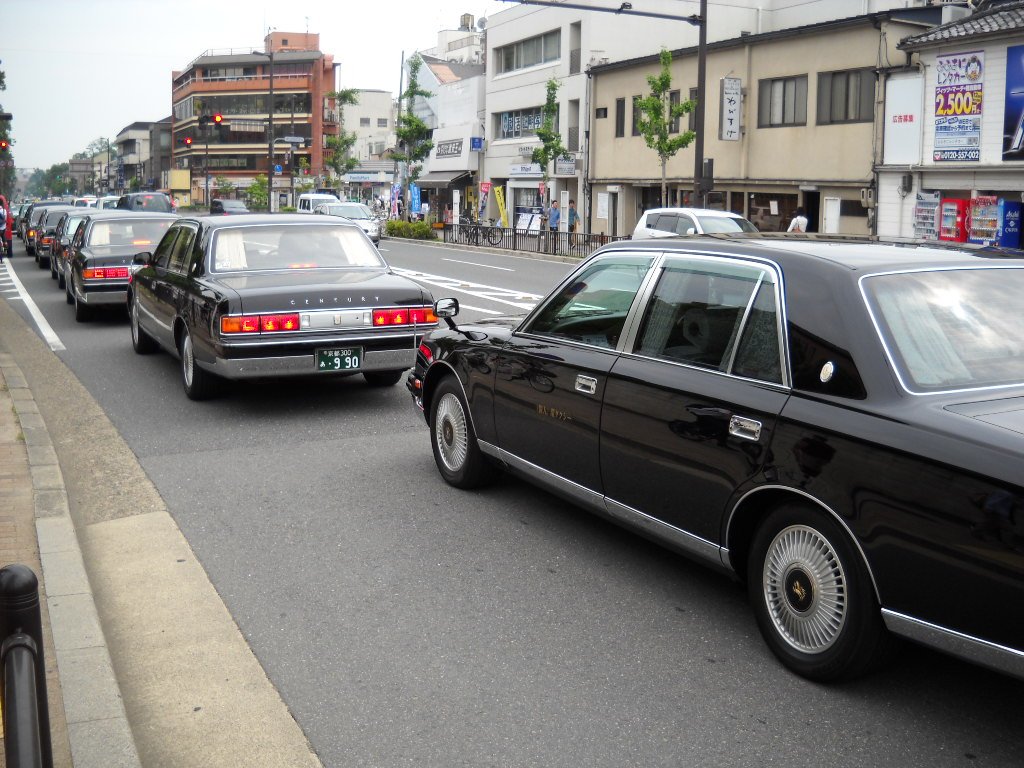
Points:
(513, 56)
(620, 118)
(766, 101)
(826, 108)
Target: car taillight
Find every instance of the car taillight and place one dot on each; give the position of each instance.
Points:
(106, 273)
(259, 323)
(427, 354)
(411, 316)
(31, 233)
(47, 240)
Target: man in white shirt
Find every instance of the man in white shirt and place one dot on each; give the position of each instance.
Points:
(799, 222)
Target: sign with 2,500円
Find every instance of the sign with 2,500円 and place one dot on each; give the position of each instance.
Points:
(959, 90)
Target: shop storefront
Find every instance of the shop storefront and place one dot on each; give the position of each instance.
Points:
(448, 184)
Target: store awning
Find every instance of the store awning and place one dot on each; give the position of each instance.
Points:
(440, 179)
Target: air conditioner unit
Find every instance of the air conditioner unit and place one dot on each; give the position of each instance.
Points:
(867, 197)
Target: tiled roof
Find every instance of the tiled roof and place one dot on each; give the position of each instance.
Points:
(992, 20)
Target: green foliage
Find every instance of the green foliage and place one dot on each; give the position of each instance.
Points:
(550, 138)
(340, 161)
(657, 114)
(223, 185)
(257, 192)
(413, 134)
(54, 180)
(413, 230)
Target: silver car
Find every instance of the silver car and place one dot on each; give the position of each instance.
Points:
(357, 212)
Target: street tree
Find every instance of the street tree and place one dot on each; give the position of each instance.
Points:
(340, 159)
(414, 142)
(659, 119)
(551, 147)
(7, 172)
(258, 192)
(223, 185)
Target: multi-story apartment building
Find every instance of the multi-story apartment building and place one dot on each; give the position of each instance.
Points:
(129, 165)
(954, 131)
(237, 84)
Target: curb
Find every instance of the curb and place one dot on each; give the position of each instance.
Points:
(98, 729)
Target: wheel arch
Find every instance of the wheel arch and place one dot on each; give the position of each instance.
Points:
(755, 505)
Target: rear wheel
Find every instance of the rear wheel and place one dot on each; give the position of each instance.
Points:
(199, 384)
(53, 268)
(456, 453)
(813, 598)
(83, 312)
(60, 278)
(494, 235)
(382, 378)
(142, 342)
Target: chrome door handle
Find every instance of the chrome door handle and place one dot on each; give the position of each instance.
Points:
(586, 384)
(744, 428)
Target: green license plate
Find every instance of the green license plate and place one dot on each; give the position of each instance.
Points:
(339, 359)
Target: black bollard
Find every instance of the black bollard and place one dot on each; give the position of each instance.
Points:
(22, 740)
(19, 613)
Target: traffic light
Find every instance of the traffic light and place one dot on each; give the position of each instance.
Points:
(187, 141)
(218, 119)
(3, 145)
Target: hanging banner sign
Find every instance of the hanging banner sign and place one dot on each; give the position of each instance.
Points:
(732, 101)
(499, 195)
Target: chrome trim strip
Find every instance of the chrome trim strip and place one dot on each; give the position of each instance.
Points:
(285, 338)
(670, 535)
(105, 297)
(987, 654)
(818, 502)
(304, 365)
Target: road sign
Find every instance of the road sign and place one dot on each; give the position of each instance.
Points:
(277, 169)
(295, 139)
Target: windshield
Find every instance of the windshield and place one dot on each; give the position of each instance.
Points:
(350, 211)
(135, 232)
(725, 224)
(292, 246)
(951, 329)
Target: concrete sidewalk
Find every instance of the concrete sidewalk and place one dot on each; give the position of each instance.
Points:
(146, 666)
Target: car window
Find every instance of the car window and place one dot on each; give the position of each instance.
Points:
(699, 311)
(162, 254)
(292, 246)
(135, 232)
(663, 222)
(951, 329)
(725, 224)
(182, 249)
(592, 307)
(685, 225)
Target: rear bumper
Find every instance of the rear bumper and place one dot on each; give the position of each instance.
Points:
(305, 364)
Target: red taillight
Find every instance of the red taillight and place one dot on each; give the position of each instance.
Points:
(427, 354)
(31, 233)
(47, 241)
(106, 273)
(259, 323)
(411, 316)
(142, 242)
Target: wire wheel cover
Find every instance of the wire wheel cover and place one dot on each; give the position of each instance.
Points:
(451, 432)
(805, 589)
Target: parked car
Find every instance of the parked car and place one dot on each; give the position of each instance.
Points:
(227, 207)
(275, 295)
(98, 264)
(671, 222)
(46, 231)
(146, 201)
(62, 236)
(836, 423)
(19, 211)
(358, 213)
(309, 200)
(30, 221)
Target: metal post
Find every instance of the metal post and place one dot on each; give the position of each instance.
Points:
(270, 129)
(19, 613)
(698, 143)
(23, 743)
(206, 167)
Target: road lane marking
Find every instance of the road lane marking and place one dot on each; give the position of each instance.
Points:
(474, 264)
(47, 332)
(517, 299)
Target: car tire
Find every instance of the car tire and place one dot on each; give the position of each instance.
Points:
(813, 597)
(83, 312)
(142, 342)
(43, 262)
(199, 384)
(69, 287)
(382, 378)
(60, 278)
(456, 453)
(53, 269)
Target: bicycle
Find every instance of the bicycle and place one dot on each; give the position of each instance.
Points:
(472, 232)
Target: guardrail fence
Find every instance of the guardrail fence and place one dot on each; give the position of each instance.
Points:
(571, 244)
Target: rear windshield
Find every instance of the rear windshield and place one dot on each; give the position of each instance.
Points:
(292, 246)
(149, 203)
(140, 233)
(951, 329)
(53, 217)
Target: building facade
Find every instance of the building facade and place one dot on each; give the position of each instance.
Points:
(129, 164)
(237, 84)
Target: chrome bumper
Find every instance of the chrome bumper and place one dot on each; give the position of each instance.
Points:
(304, 365)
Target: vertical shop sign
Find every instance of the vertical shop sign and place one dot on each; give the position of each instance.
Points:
(1013, 125)
(732, 100)
(959, 87)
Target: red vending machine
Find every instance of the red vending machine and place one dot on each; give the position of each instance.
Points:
(953, 220)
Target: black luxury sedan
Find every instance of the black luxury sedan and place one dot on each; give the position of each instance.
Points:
(840, 424)
(98, 262)
(238, 297)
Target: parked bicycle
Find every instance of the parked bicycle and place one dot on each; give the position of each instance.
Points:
(474, 232)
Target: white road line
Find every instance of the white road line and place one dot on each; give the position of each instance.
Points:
(49, 336)
(516, 299)
(474, 264)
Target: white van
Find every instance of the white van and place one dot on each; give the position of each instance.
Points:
(310, 200)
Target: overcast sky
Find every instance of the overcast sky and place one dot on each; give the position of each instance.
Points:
(80, 69)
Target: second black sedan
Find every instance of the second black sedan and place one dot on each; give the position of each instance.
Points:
(275, 295)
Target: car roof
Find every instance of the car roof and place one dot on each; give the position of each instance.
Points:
(696, 212)
(122, 213)
(849, 254)
(263, 219)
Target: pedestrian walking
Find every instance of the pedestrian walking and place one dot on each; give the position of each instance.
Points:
(554, 216)
(799, 222)
(574, 218)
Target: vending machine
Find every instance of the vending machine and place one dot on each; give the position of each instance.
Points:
(953, 220)
(1009, 223)
(926, 216)
(983, 220)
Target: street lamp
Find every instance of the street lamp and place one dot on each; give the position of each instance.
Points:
(270, 131)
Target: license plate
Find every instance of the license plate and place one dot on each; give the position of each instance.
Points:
(339, 359)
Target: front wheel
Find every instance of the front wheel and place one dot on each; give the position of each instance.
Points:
(813, 598)
(142, 342)
(494, 235)
(456, 453)
(199, 384)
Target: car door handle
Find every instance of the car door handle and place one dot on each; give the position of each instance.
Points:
(586, 384)
(744, 428)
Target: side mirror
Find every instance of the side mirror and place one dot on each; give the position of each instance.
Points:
(142, 259)
(446, 308)
(691, 230)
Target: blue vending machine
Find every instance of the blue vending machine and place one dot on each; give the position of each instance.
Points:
(1009, 223)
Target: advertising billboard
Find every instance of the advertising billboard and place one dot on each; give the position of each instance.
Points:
(959, 91)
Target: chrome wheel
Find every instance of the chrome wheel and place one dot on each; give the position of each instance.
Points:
(451, 432)
(187, 361)
(805, 589)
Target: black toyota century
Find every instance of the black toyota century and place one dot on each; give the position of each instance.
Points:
(274, 295)
(840, 424)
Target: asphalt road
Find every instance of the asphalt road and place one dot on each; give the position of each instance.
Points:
(407, 623)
